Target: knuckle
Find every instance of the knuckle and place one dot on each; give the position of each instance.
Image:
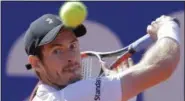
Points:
(153, 22)
(149, 27)
(158, 19)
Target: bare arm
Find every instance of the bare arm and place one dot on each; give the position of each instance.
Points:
(157, 65)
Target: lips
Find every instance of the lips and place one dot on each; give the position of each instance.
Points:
(71, 68)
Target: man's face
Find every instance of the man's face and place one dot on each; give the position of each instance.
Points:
(61, 59)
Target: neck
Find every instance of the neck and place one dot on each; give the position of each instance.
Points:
(54, 85)
(45, 79)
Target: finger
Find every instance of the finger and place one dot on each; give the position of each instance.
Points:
(122, 67)
(124, 64)
(151, 31)
(105, 68)
(164, 18)
(153, 22)
(160, 18)
(130, 62)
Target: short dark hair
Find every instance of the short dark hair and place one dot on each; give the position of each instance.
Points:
(39, 53)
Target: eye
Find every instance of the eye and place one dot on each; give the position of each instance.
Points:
(73, 46)
(58, 51)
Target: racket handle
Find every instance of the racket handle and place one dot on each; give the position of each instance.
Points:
(140, 44)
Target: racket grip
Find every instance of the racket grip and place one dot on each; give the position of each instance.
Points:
(141, 44)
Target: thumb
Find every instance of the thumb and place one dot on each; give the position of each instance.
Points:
(130, 62)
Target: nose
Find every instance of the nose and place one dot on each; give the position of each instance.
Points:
(71, 58)
(69, 61)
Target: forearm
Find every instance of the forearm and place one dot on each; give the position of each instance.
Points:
(165, 54)
(162, 58)
(157, 64)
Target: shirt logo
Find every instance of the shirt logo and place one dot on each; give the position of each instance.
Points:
(98, 86)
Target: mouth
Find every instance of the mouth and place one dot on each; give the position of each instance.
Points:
(74, 69)
(74, 73)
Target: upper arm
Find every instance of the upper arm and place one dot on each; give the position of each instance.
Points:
(139, 78)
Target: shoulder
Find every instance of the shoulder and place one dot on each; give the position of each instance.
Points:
(84, 90)
(46, 93)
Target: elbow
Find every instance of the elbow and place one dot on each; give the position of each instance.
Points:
(168, 73)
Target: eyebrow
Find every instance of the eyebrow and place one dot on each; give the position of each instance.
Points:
(60, 45)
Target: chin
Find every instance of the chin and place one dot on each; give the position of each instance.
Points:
(75, 79)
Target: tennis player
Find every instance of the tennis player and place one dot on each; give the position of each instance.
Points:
(53, 53)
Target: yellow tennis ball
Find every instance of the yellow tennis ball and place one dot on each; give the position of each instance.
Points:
(73, 13)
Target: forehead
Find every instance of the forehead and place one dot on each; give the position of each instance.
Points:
(64, 35)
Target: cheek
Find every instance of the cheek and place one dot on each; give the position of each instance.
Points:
(54, 69)
(54, 63)
(78, 57)
(78, 54)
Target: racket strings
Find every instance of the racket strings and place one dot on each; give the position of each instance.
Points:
(86, 67)
(92, 66)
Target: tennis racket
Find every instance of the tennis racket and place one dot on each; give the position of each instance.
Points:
(95, 64)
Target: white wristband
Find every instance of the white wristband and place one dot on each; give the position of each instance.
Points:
(169, 29)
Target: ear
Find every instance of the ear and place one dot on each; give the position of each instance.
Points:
(34, 61)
